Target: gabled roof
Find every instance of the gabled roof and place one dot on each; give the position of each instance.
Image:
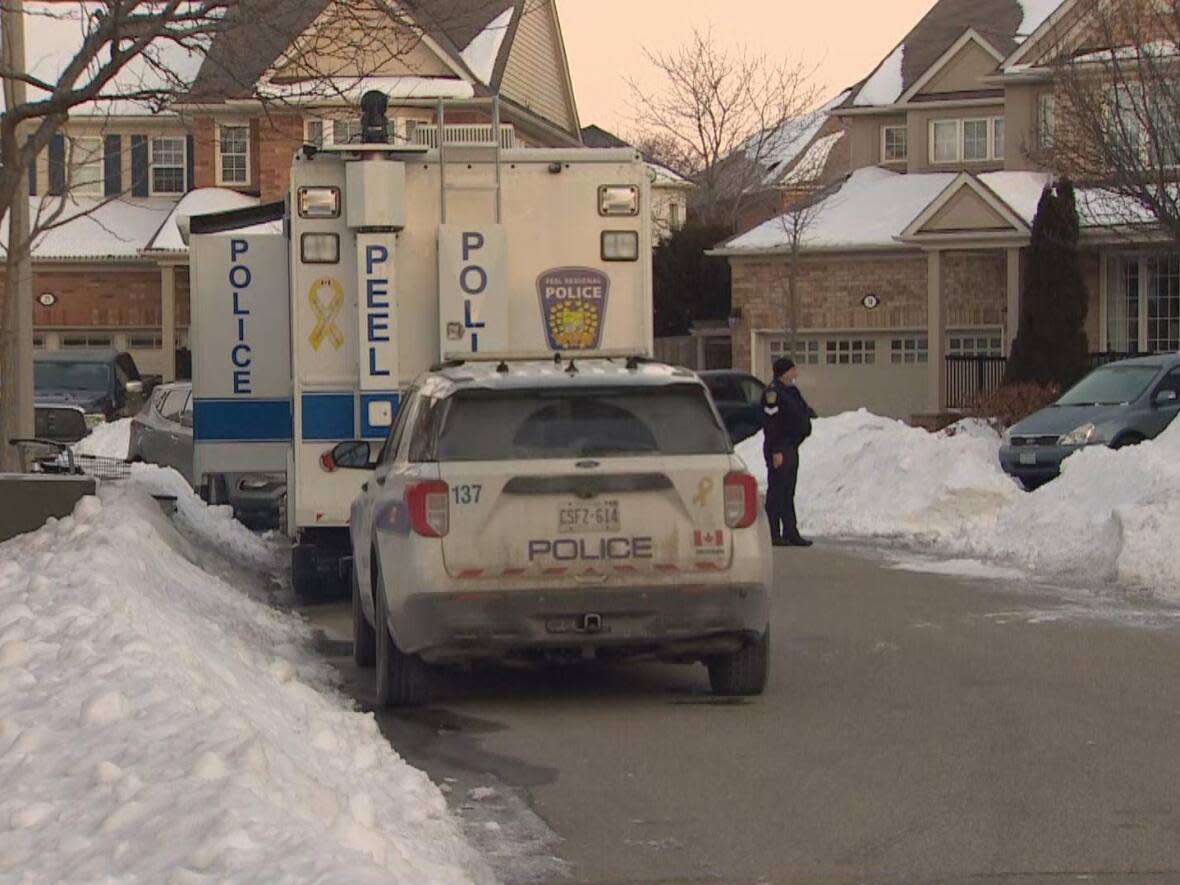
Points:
(467, 33)
(1002, 25)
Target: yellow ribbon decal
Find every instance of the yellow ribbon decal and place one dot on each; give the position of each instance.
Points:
(326, 313)
(703, 491)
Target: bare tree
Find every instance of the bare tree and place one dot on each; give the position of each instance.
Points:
(146, 53)
(1117, 115)
(719, 116)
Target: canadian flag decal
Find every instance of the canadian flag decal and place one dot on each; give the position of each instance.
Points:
(709, 540)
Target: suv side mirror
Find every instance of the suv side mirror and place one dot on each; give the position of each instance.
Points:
(351, 455)
(135, 388)
(1166, 397)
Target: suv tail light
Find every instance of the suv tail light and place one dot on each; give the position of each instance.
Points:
(429, 506)
(741, 500)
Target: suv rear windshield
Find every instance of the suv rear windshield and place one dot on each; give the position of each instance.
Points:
(71, 376)
(534, 424)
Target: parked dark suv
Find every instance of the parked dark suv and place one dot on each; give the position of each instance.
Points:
(105, 384)
(738, 396)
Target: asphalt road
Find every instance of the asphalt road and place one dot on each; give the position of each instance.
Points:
(918, 728)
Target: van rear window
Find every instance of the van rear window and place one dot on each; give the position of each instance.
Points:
(510, 425)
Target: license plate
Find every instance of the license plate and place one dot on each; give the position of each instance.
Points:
(1028, 457)
(599, 517)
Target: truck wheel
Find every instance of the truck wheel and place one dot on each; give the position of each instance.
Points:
(744, 672)
(364, 637)
(402, 680)
(304, 576)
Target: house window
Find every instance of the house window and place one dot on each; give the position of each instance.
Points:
(233, 155)
(975, 140)
(38, 342)
(1122, 310)
(976, 343)
(851, 352)
(944, 142)
(970, 141)
(346, 131)
(167, 165)
(86, 177)
(313, 132)
(896, 146)
(87, 341)
(909, 351)
(1047, 119)
(1163, 304)
(806, 351)
(674, 216)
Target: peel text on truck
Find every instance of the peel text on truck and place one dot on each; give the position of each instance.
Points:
(442, 349)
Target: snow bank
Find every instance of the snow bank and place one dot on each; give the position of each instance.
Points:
(157, 724)
(1111, 517)
(107, 440)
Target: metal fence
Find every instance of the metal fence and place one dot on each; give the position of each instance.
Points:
(971, 378)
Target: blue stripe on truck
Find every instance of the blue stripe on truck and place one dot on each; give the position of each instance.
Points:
(329, 416)
(242, 420)
(372, 431)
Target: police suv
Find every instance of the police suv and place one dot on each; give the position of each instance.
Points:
(550, 509)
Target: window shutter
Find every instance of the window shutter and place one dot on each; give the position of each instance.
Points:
(139, 166)
(32, 172)
(57, 165)
(188, 163)
(112, 165)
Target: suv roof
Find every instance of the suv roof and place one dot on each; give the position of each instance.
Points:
(76, 356)
(445, 380)
(1156, 360)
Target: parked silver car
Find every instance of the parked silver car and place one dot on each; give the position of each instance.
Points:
(1120, 404)
(162, 433)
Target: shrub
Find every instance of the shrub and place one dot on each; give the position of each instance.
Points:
(1012, 402)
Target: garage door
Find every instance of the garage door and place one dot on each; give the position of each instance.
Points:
(885, 373)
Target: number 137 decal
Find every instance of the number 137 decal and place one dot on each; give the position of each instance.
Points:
(466, 494)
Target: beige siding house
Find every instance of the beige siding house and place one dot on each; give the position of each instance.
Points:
(916, 256)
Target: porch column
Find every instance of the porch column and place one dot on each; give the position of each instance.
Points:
(168, 320)
(1013, 325)
(936, 339)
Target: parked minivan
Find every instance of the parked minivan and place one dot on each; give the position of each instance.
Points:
(1120, 404)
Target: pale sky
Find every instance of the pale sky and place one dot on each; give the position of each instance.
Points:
(843, 39)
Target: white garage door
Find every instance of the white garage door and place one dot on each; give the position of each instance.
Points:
(885, 373)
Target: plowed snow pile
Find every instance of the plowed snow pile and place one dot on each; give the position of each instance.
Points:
(1111, 516)
(159, 725)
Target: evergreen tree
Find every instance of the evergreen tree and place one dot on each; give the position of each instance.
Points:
(1051, 345)
(689, 285)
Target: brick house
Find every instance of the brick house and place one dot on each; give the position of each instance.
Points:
(120, 277)
(917, 255)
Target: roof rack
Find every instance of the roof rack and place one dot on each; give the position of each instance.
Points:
(543, 356)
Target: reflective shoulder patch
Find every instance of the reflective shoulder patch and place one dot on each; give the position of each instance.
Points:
(769, 411)
(771, 397)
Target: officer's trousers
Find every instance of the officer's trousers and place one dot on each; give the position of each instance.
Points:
(780, 496)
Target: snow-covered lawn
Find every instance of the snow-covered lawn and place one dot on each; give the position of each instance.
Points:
(160, 725)
(107, 440)
(1111, 517)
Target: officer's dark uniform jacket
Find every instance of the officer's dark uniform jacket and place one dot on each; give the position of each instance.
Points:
(786, 419)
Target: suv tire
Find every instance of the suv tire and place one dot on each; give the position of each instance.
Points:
(744, 672)
(364, 637)
(402, 680)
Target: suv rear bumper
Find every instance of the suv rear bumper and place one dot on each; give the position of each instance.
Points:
(670, 622)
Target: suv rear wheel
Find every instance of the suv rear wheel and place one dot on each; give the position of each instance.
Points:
(744, 672)
(364, 637)
(402, 680)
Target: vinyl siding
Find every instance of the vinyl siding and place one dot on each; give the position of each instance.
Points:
(535, 74)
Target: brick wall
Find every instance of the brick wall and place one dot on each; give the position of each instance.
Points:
(98, 297)
(278, 138)
(832, 289)
(204, 152)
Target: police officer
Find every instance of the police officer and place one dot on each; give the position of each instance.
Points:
(786, 420)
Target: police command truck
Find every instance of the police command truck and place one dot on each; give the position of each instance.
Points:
(313, 323)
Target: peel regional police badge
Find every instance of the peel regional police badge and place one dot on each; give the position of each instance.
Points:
(573, 307)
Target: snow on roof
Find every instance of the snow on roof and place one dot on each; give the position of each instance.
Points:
(871, 208)
(483, 51)
(813, 163)
(119, 228)
(54, 32)
(203, 201)
(1021, 191)
(662, 175)
(1036, 12)
(885, 85)
(781, 148)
